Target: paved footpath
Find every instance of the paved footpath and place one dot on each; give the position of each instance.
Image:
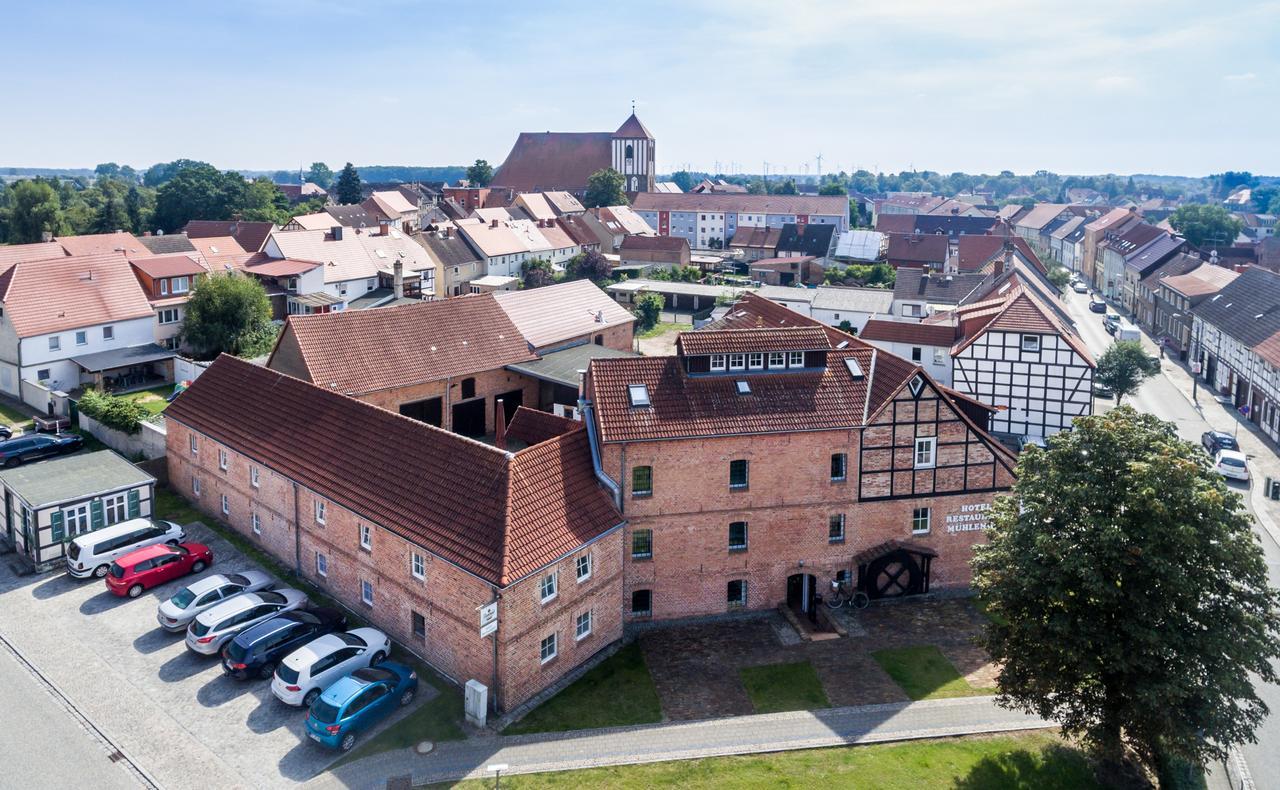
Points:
(772, 732)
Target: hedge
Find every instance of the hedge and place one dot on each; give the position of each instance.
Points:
(119, 413)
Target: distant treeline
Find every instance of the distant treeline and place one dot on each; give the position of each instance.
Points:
(369, 173)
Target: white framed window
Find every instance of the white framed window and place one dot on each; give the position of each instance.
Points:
(82, 338)
(222, 459)
(320, 508)
(257, 523)
(75, 520)
(195, 444)
(1031, 343)
(253, 476)
(169, 315)
(366, 537)
(226, 505)
(55, 343)
(195, 486)
(547, 650)
(116, 508)
(108, 333)
(181, 285)
(795, 359)
(582, 627)
(717, 362)
(582, 567)
(547, 587)
(737, 361)
(164, 287)
(417, 565)
(925, 451)
(835, 528)
(939, 356)
(920, 521)
(342, 289)
(755, 360)
(322, 564)
(366, 592)
(371, 283)
(777, 359)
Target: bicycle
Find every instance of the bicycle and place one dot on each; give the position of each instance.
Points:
(842, 593)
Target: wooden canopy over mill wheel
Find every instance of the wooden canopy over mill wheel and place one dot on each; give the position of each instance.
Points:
(894, 569)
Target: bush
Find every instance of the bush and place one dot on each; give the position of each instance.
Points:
(118, 413)
(648, 310)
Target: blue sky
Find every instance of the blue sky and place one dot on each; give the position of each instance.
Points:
(1177, 86)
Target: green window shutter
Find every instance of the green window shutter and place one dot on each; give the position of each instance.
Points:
(56, 520)
(96, 518)
(133, 503)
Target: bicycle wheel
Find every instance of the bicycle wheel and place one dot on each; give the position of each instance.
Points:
(860, 601)
(834, 601)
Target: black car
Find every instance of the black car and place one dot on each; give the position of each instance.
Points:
(1101, 390)
(1214, 441)
(33, 447)
(1097, 307)
(256, 651)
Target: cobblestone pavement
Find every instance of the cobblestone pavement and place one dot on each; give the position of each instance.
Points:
(686, 740)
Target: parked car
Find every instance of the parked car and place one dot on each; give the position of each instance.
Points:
(1079, 287)
(1231, 463)
(177, 613)
(1096, 306)
(34, 446)
(254, 652)
(1109, 322)
(1101, 390)
(310, 669)
(359, 701)
(1213, 441)
(218, 625)
(92, 553)
(5, 432)
(143, 568)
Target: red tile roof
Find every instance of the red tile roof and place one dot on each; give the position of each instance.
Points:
(280, 267)
(632, 128)
(249, 235)
(662, 243)
(104, 244)
(175, 265)
(566, 311)
(15, 253)
(531, 426)
(975, 252)
(1201, 281)
(878, 329)
(551, 161)
(752, 310)
(753, 238)
(68, 293)
(362, 351)
(896, 223)
(519, 512)
(740, 341)
(912, 248)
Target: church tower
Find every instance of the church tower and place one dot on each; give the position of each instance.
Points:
(633, 155)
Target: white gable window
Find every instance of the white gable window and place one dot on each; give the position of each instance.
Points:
(1031, 343)
(795, 359)
(777, 359)
(925, 452)
(756, 360)
(320, 511)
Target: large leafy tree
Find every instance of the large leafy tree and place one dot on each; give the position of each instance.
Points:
(139, 204)
(228, 314)
(348, 185)
(604, 188)
(199, 192)
(480, 173)
(589, 265)
(648, 311)
(112, 214)
(320, 175)
(1124, 366)
(1128, 594)
(264, 202)
(34, 208)
(1206, 226)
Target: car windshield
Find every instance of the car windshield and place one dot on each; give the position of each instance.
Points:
(235, 650)
(199, 629)
(1229, 461)
(272, 597)
(117, 570)
(183, 550)
(323, 711)
(373, 674)
(287, 673)
(183, 599)
(236, 578)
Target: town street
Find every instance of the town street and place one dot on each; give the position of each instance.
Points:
(1168, 396)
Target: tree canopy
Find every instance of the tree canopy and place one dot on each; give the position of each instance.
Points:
(648, 310)
(348, 185)
(228, 314)
(33, 208)
(604, 188)
(589, 265)
(199, 191)
(480, 174)
(1123, 367)
(1206, 226)
(320, 175)
(1128, 596)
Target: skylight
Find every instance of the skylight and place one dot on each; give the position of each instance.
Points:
(744, 388)
(639, 394)
(855, 369)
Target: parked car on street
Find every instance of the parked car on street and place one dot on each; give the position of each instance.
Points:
(310, 669)
(34, 446)
(1101, 390)
(359, 701)
(215, 627)
(177, 613)
(1079, 287)
(143, 568)
(92, 553)
(5, 432)
(1213, 441)
(1231, 463)
(1096, 306)
(254, 652)
(1109, 322)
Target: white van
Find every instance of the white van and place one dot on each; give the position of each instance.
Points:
(92, 553)
(1127, 331)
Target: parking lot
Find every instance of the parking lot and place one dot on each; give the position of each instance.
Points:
(169, 710)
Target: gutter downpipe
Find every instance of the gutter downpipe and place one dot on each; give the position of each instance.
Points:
(588, 417)
(297, 534)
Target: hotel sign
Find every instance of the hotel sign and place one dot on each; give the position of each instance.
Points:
(971, 518)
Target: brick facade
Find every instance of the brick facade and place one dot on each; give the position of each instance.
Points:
(488, 386)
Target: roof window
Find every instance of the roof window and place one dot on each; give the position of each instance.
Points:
(639, 394)
(744, 388)
(855, 369)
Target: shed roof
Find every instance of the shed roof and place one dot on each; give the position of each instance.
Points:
(73, 477)
(556, 313)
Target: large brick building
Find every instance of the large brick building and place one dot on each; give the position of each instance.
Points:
(415, 526)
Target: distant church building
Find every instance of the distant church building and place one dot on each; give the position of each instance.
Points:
(554, 161)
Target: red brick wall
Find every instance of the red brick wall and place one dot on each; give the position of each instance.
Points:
(619, 337)
(488, 385)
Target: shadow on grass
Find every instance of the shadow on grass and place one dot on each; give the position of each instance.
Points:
(924, 672)
(617, 692)
(1054, 768)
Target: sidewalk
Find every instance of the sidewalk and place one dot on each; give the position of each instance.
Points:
(709, 738)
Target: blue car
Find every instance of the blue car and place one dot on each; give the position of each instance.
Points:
(359, 701)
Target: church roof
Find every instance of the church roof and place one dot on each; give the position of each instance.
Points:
(633, 128)
(553, 161)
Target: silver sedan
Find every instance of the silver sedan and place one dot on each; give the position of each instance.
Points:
(176, 613)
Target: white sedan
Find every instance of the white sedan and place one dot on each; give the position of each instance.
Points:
(1079, 287)
(176, 613)
(312, 668)
(1231, 463)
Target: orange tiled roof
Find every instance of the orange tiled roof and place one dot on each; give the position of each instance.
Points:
(41, 297)
(16, 253)
(740, 341)
(104, 243)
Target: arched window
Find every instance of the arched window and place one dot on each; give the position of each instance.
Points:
(630, 151)
(635, 184)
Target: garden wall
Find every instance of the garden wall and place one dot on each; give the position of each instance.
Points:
(148, 442)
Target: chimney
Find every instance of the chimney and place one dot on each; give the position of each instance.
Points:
(493, 223)
(46, 236)
(582, 384)
(384, 228)
(500, 426)
(146, 233)
(397, 278)
(336, 232)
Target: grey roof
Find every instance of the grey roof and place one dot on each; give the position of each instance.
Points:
(682, 288)
(352, 216)
(855, 300)
(1154, 253)
(73, 477)
(167, 245)
(561, 367)
(912, 285)
(1235, 308)
(786, 293)
(379, 297)
(453, 251)
(1178, 264)
(809, 239)
(121, 357)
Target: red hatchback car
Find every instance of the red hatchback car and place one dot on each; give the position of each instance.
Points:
(152, 565)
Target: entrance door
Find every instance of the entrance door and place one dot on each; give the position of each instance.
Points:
(510, 402)
(468, 418)
(430, 411)
(802, 589)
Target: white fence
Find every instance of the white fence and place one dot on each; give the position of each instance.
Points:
(35, 395)
(188, 369)
(148, 442)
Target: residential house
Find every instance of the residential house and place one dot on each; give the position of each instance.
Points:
(904, 203)
(456, 263)
(755, 243)
(917, 251)
(918, 293)
(787, 271)
(981, 254)
(710, 220)
(1058, 248)
(1178, 295)
(1118, 247)
(1143, 275)
(927, 345)
(815, 241)
(798, 300)
(649, 251)
(168, 282)
(393, 208)
(1031, 224)
(39, 251)
(248, 236)
(117, 243)
(1095, 232)
(850, 308)
(566, 314)
(166, 243)
(563, 203)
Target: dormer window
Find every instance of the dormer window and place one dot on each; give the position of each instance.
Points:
(737, 361)
(795, 359)
(717, 362)
(777, 359)
(1031, 343)
(755, 360)
(639, 395)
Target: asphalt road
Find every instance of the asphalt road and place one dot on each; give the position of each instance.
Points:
(1161, 397)
(44, 744)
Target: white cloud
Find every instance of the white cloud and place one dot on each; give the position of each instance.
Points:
(1115, 83)
(1245, 77)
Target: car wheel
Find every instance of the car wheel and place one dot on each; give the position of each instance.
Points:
(266, 671)
(377, 658)
(197, 566)
(406, 697)
(311, 697)
(9, 463)
(348, 741)
(135, 591)
(173, 542)
(100, 571)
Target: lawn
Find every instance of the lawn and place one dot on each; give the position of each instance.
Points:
(924, 673)
(153, 400)
(778, 687)
(617, 692)
(15, 418)
(1039, 760)
(661, 328)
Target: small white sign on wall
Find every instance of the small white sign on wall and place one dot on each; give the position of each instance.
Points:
(488, 618)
